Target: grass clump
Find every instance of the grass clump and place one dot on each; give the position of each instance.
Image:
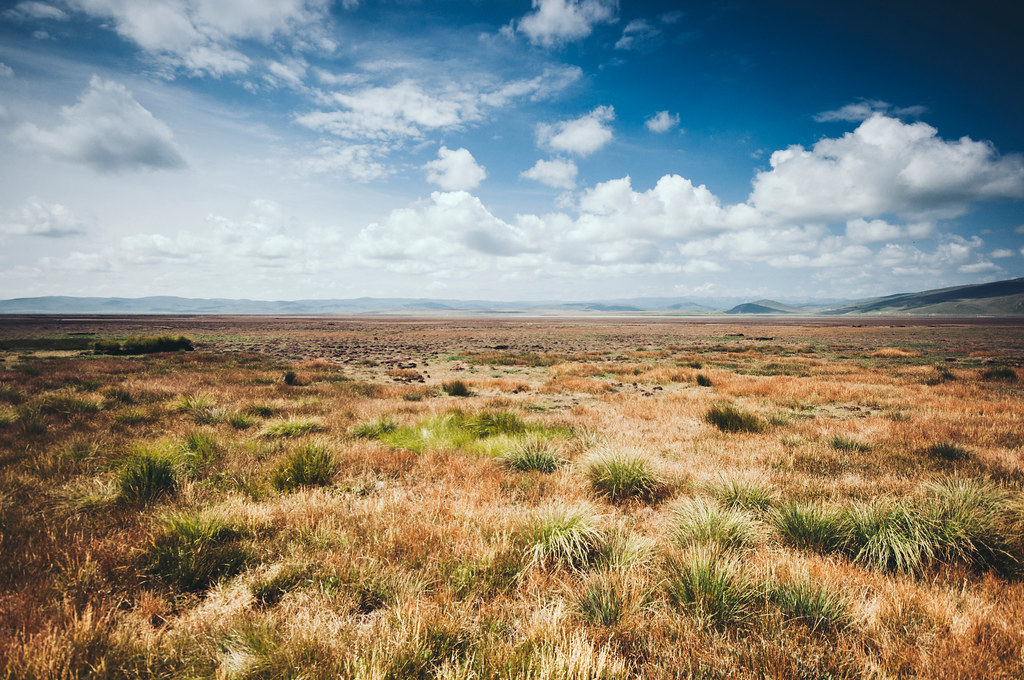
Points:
(146, 476)
(487, 433)
(194, 550)
(948, 451)
(816, 605)
(200, 450)
(999, 374)
(534, 454)
(728, 418)
(32, 420)
(890, 537)
(620, 475)
(701, 520)
(812, 527)
(311, 464)
(742, 494)
(241, 420)
(709, 586)
(607, 598)
(66, 405)
(562, 536)
(703, 380)
(202, 408)
(848, 444)
(293, 427)
(375, 429)
(144, 345)
(456, 388)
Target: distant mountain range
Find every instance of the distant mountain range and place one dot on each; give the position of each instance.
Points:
(1001, 298)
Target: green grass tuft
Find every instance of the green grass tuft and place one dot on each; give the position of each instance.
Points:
(562, 536)
(709, 586)
(728, 418)
(843, 443)
(743, 494)
(623, 475)
(293, 427)
(375, 429)
(194, 550)
(817, 605)
(311, 464)
(889, 536)
(812, 527)
(948, 451)
(66, 405)
(701, 520)
(533, 453)
(144, 345)
(146, 476)
(200, 450)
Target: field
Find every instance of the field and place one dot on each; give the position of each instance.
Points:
(511, 498)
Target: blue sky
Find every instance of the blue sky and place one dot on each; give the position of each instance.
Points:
(529, 149)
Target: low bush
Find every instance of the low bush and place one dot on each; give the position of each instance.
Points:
(703, 380)
(999, 374)
(194, 550)
(622, 475)
(311, 464)
(728, 418)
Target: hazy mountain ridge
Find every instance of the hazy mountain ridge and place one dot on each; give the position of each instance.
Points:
(999, 298)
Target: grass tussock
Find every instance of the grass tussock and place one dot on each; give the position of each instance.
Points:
(562, 536)
(146, 476)
(310, 464)
(621, 475)
(193, 550)
(729, 418)
(819, 606)
(843, 443)
(534, 454)
(456, 388)
(293, 427)
(710, 586)
(144, 345)
(744, 494)
(999, 374)
(704, 521)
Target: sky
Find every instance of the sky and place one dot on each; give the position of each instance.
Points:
(509, 149)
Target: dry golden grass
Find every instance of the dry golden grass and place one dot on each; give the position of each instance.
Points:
(411, 565)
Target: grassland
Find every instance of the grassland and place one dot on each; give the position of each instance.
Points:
(605, 499)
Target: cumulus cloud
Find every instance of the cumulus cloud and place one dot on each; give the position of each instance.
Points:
(197, 35)
(636, 34)
(582, 136)
(36, 10)
(455, 170)
(37, 218)
(555, 22)
(408, 109)
(884, 166)
(106, 130)
(662, 121)
(558, 174)
(863, 109)
(1000, 253)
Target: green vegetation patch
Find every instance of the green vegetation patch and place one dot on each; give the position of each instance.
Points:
(146, 476)
(311, 464)
(562, 536)
(728, 418)
(490, 433)
(620, 475)
(138, 344)
(194, 550)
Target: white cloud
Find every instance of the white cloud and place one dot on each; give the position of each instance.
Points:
(662, 121)
(37, 218)
(864, 231)
(359, 162)
(637, 34)
(106, 130)
(288, 73)
(197, 35)
(6, 71)
(1000, 253)
(978, 268)
(455, 170)
(582, 136)
(865, 108)
(559, 173)
(36, 10)
(884, 166)
(408, 109)
(554, 22)
(703, 267)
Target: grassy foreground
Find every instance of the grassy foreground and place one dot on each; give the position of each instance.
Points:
(591, 500)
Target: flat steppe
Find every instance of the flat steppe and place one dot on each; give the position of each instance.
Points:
(378, 497)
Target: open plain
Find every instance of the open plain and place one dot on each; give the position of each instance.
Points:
(512, 498)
